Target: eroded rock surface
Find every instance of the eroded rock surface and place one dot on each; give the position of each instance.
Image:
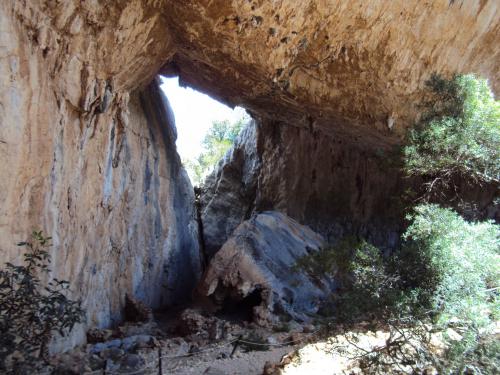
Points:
(355, 66)
(87, 150)
(311, 175)
(228, 194)
(254, 270)
(87, 142)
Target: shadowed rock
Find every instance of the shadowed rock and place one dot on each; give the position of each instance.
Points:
(257, 264)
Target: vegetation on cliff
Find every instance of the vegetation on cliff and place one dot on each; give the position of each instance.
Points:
(458, 135)
(31, 310)
(446, 275)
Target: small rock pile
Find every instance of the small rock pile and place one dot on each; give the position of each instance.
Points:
(191, 338)
(115, 354)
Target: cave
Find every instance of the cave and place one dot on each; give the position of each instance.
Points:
(240, 309)
(87, 139)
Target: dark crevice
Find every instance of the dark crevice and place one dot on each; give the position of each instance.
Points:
(237, 309)
(201, 236)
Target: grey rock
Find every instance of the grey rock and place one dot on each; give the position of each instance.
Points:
(113, 343)
(272, 340)
(135, 329)
(229, 191)
(129, 343)
(335, 188)
(111, 366)
(132, 361)
(255, 263)
(99, 347)
(113, 353)
(214, 371)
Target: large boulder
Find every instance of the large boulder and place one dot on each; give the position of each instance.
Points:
(254, 270)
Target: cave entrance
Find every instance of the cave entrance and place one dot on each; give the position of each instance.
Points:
(240, 309)
(206, 128)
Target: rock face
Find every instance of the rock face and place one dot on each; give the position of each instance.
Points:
(229, 191)
(254, 270)
(313, 176)
(355, 66)
(87, 141)
(87, 150)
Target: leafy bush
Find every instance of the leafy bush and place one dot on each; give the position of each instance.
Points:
(31, 312)
(458, 134)
(366, 286)
(452, 269)
(447, 274)
(454, 265)
(217, 141)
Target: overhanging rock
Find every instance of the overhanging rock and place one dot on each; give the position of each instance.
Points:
(255, 269)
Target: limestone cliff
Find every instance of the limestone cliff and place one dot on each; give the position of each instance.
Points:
(87, 142)
(357, 66)
(88, 154)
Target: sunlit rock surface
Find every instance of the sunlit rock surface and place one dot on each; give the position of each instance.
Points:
(87, 150)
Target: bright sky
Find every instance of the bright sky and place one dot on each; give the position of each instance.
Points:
(194, 113)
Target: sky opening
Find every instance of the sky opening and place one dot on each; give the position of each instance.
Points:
(194, 113)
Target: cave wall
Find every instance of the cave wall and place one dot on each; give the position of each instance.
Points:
(87, 144)
(330, 182)
(356, 65)
(316, 177)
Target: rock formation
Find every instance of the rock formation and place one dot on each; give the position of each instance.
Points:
(254, 270)
(228, 194)
(87, 141)
(355, 66)
(311, 175)
(88, 154)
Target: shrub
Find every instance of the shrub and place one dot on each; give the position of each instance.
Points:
(31, 312)
(366, 286)
(458, 134)
(452, 268)
(447, 274)
(454, 265)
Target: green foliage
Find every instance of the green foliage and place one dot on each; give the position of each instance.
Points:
(451, 268)
(454, 265)
(447, 274)
(30, 312)
(445, 279)
(366, 286)
(474, 356)
(349, 255)
(217, 141)
(458, 134)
